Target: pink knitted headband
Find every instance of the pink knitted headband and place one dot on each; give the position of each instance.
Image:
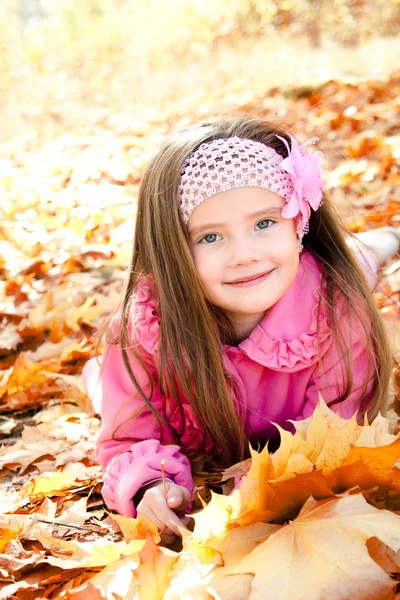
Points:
(223, 164)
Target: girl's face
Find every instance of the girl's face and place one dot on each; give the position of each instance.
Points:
(238, 234)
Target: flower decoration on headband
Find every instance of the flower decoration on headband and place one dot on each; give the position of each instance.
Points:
(305, 175)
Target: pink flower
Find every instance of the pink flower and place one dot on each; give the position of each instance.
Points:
(305, 175)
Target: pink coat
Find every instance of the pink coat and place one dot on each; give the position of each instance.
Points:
(276, 367)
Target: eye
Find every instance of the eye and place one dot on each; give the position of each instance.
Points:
(265, 221)
(206, 238)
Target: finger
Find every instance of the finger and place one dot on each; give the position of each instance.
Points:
(176, 524)
(149, 514)
(167, 517)
(157, 511)
(188, 522)
(167, 536)
(160, 519)
(174, 498)
(178, 497)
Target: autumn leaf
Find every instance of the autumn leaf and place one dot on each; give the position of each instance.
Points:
(190, 579)
(5, 536)
(136, 529)
(47, 484)
(321, 459)
(231, 544)
(88, 555)
(116, 580)
(154, 571)
(104, 554)
(323, 553)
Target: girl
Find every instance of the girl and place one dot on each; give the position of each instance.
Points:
(243, 303)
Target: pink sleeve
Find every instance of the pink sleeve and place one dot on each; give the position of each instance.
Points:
(141, 465)
(128, 446)
(327, 380)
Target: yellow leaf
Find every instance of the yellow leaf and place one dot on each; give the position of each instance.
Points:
(206, 555)
(90, 555)
(46, 484)
(213, 518)
(337, 445)
(381, 458)
(104, 554)
(190, 579)
(52, 543)
(290, 446)
(6, 535)
(323, 554)
(155, 571)
(262, 467)
(231, 587)
(118, 578)
(376, 434)
(136, 529)
(321, 459)
(233, 545)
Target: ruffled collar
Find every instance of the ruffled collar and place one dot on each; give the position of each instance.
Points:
(286, 339)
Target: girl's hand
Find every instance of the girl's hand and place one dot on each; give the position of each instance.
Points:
(162, 511)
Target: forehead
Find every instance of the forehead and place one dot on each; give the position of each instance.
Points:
(233, 205)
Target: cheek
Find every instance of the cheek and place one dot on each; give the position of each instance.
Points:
(197, 259)
(285, 247)
(206, 268)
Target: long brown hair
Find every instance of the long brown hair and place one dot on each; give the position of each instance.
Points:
(192, 329)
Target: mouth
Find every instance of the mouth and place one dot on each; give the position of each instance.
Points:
(251, 280)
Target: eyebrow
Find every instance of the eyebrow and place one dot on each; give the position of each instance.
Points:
(266, 211)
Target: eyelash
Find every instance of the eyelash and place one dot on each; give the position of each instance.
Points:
(208, 234)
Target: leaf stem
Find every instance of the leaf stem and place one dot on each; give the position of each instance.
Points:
(163, 462)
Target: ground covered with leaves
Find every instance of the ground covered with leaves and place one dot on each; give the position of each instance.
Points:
(322, 511)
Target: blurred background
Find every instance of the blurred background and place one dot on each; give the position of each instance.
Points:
(66, 64)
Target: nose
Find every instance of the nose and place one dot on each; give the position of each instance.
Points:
(243, 251)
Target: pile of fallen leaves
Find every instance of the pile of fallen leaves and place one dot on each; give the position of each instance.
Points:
(321, 511)
(319, 518)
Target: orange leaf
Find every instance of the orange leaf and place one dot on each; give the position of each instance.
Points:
(155, 571)
(6, 535)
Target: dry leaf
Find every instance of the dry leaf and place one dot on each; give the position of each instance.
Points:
(323, 553)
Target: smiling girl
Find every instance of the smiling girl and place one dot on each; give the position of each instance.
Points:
(244, 302)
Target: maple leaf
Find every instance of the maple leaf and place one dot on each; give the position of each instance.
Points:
(136, 529)
(190, 579)
(89, 555)
(48, 483)
(324, 454)
(323, 554)
(7, 535)
(321, 459)
(116, 580)
(154, 571)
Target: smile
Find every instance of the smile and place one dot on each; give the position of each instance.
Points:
(254, 281)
